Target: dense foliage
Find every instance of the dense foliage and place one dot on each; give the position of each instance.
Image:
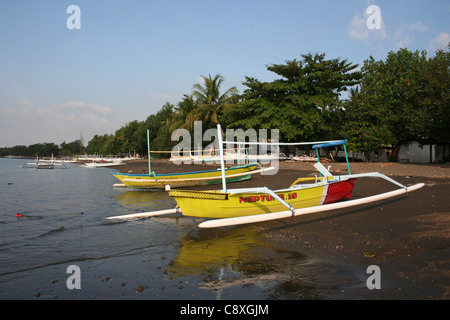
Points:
(302, 104)
(400, 100)
(393, 102)
(44, 150)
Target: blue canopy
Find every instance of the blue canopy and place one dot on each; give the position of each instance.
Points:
(329, 144)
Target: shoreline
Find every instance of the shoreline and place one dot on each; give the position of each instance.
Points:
(407, 237)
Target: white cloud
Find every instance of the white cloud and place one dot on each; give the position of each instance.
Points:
(440, 42)
(164, 97)
(405, 33)
(358, 29)
(76, 106)
(27, 123)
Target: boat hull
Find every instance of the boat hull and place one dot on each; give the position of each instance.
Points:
(219, 205)
(182, 180)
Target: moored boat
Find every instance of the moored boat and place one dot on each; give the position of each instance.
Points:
(253, 201)
(166, 181)
(45, 164)
(98, 164)
(186, 179)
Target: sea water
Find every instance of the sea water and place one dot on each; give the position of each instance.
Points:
(61, 222)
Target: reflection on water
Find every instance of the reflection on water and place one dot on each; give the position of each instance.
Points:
(138, 200)
(237, 258)
(203, 252)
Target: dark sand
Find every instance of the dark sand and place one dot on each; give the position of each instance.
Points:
(407, 237)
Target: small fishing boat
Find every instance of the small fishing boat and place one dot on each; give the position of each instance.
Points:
(308, 195)
(187, 179)
(261, 200)
(45, 164)
(103, 163)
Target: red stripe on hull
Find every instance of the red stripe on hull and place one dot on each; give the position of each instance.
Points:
(339, 191)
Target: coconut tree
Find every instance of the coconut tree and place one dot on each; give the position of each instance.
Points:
(209, 99)
(185, 113)
(167, 114)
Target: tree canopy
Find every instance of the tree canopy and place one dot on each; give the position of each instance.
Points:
(400, 100)
(302, 103)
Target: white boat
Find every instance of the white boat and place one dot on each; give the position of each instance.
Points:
(45, 164)
(103, 163)
(304, 158)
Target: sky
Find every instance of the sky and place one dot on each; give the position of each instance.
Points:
(67, 73)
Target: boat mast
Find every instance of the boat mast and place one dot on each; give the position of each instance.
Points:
(222, 163)
(150, 173)
(148, 149)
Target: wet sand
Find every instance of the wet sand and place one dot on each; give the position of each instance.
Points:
(407, 237)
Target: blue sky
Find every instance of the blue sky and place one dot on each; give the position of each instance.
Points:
(129, 57)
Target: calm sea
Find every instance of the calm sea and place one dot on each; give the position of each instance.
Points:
(64, 223)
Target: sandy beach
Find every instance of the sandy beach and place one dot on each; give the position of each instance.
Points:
(408, 237)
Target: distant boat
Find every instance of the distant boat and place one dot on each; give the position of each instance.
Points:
(45, 164)
(187, 179)
(104, 163)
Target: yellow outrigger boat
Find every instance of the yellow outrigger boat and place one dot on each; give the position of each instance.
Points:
(230, 207)
(187, 179)
(167, 181)
(253, 201)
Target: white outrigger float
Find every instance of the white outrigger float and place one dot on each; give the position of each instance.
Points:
(230, 207)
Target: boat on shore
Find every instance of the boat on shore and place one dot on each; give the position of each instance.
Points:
(167, 181)
(228, 207)
(187, 179)
(261, 200)
(103, 163)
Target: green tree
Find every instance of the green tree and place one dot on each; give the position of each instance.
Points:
(401, 100)
(159, 126)
(43, 150)
(97, 144)
(126, 138)
(210, 100)
(71, 148)
(185, 113)
(435, 99)
(301, 103)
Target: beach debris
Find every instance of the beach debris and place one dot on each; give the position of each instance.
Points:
(387, 164)
(371, 254)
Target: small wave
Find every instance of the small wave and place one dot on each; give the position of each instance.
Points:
(53, 231)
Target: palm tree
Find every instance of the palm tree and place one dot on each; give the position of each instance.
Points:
(210, 101)
(185, 113)
(167, 114)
